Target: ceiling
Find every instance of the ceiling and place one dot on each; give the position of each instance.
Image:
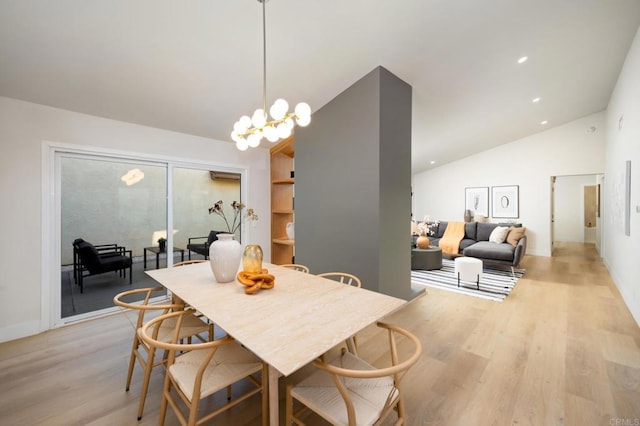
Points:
(196, 66)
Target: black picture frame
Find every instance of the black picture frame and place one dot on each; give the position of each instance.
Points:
(505, 201)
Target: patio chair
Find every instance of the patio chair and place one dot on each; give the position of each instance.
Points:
(202, 247)
(104, 250)
(350, 391)
(93, 262)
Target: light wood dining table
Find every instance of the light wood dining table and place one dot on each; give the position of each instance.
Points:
(301, 318)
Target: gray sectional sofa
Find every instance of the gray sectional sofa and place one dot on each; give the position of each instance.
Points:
(476, 243)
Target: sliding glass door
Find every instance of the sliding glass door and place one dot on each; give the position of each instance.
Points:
(155, 213)
(195, 191)
(119, 208)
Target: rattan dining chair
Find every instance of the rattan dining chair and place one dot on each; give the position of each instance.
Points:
(351, 280)
(342, 277)
(143, 353)
(297, 267)
(203, 369)
(189, 262)
(198, 314)
(350, 391)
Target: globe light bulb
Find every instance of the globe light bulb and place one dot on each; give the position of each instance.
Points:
(284, 131)
(289, 123)
(303, 110)
(253, 140)
(259, 118)
(235, 136)
(303, 121)
(271, 133)
(279, 109)
(242, 144)
(245, 122)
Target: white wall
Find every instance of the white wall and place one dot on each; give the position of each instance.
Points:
(529, 162)
(623, 143)
(569, 209)
(23, 128)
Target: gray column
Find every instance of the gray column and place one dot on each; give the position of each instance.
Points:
(353, 185)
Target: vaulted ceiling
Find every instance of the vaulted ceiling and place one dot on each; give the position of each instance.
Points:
(196, 66)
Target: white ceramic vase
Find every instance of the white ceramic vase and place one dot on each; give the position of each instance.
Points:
(290, 231)
(225, 255)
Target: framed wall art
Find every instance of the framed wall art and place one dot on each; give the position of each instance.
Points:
(477, 200)
(627, 199)
(504, 201)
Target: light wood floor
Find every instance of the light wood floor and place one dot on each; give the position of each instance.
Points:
(562, 349)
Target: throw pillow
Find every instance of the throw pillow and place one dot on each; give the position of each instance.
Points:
(515, 234)
(499, 234)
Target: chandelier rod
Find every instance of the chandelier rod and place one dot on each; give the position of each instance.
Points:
(264, 57)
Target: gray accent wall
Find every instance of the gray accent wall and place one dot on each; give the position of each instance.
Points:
(353, 185)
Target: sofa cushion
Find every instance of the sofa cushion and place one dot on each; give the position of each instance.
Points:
(488, 250)
(441, 228)
(470, 231)
(515, 234)
(485, 230)
(499, 235)
(510, 224)
(466, 242)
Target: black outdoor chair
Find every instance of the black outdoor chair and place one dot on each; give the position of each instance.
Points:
(93, 260)
(104, 250)
(202, 248)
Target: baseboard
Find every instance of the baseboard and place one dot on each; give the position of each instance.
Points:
(537, 252)
(626, 298)
(18, 331)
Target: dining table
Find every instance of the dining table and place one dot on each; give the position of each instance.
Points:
(288, 326)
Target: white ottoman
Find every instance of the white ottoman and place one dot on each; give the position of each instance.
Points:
(468, 269)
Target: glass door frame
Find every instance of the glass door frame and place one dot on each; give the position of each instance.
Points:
(51, 218)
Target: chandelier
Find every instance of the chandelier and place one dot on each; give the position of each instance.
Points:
(249, 131)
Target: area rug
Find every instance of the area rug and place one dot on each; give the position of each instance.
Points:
(495, 283)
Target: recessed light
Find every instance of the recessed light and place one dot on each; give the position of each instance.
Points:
(535, 100)
(433, 162)
(523, 60)
(544, 122)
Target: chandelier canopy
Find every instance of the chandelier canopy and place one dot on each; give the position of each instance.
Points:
(249, 131)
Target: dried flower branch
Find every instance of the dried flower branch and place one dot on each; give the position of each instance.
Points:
(238, 217)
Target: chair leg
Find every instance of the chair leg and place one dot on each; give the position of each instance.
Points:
(352, 345)
(163, 404)
(401, 412)
(458, 279)
(288, 406)
(478, 282)
(132, 361)
(265, 394)
(131, 273)
(193, 410)
(80, 282)
(145, 383)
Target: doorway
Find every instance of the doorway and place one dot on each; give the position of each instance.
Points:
(576, 210)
